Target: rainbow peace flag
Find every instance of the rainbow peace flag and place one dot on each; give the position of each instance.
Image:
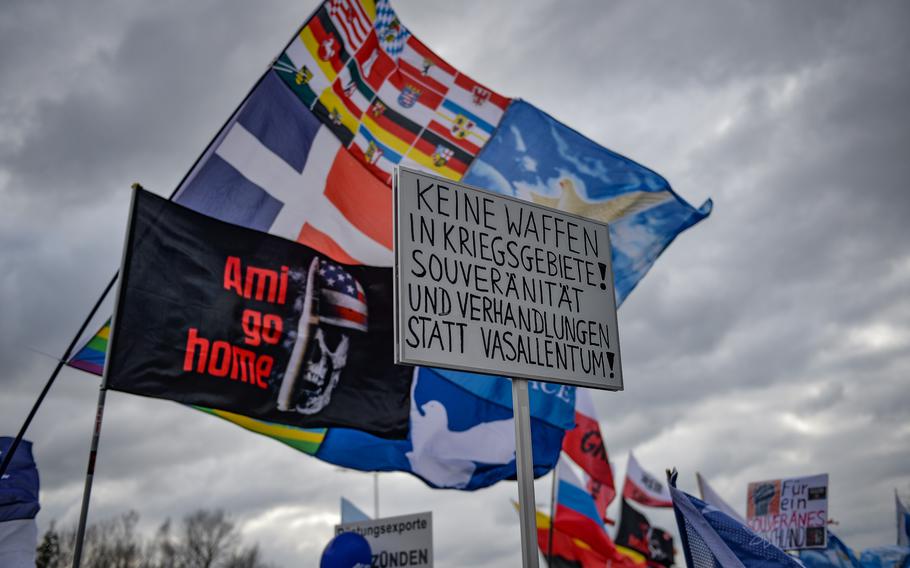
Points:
(306, 440)
(91, 357)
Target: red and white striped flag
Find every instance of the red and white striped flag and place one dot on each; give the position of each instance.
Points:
(645, 488)
(352, 21)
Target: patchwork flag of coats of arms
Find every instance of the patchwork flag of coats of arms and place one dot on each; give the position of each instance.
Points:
(392, 34)
(343, 63)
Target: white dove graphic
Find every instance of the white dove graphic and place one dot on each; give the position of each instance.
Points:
(446, 458)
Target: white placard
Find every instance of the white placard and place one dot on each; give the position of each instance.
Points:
(406, 540)
(790, 513)
(492, 284)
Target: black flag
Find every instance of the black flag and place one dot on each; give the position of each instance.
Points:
(636, 533)
(217, 315)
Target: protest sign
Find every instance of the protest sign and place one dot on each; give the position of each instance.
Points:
(790, 513)
(493, 284)
(406, 540)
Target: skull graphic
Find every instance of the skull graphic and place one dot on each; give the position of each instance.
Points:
(332, 306)
(655, 548)
(322, 371)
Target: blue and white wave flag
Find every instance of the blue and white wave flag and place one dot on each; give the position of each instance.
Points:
(835, 555)
(713, 539)
(461, 432)
(885, 557)
(18, 507)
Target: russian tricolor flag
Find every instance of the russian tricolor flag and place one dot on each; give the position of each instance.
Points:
(576, 513)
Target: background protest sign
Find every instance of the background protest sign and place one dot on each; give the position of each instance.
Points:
(406, 540)
(493, 284)
(216, 315)
(790, 513)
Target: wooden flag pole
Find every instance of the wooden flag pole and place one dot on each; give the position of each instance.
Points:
(527, 513)
(102, 390)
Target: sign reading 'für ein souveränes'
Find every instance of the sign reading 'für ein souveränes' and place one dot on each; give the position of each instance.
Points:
(492, 284)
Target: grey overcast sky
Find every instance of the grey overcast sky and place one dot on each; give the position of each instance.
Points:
(771, 340)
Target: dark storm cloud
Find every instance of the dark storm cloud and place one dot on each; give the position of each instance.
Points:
(812, 225)
(773, 339)
(112, 119)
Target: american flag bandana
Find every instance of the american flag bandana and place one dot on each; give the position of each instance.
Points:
(342, 301)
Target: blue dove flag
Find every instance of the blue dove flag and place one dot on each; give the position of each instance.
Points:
(713, 539)
(461, 432)
(537, 158)
(835, 555)
(18, 507)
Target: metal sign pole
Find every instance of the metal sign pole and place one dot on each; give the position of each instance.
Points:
(524, 464)
(427, 210)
